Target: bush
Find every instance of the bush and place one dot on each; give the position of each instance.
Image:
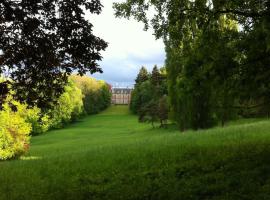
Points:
(39, 121)
(69, 106)
(97, 95)
(104, 96)
(14, 132)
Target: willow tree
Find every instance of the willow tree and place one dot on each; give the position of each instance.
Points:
(205, 62)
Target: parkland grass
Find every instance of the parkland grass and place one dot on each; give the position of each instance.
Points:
(112, 156)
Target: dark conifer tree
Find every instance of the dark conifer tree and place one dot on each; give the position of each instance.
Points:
(142, 76)
(156, 77)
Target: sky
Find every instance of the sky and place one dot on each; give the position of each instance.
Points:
(129, 47)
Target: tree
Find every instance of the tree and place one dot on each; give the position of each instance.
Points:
(149, 99)
(14, 132)
(142, 96)
(96, 93)
(163, 111)
(139, 94)
(4, 89)
(149, 112)
(156, 77)
(42, 42)
(69, 106)
(142, 76)
(210, 62)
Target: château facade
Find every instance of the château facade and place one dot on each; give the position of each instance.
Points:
(121, 96)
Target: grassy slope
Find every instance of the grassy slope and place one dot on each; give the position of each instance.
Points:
(111, 156)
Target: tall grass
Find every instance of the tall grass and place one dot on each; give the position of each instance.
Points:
(112, 156)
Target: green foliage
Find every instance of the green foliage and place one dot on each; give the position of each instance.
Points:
(142, 76)
(69, 106)
(105, 96)
(214, 67)
(163, 110)
(156, 77)
(149, 112)
(148, 98)
(14, 132)
(40, 122)
(141, 95)
(18, 120)
(112, 156)
(97, 94)
(42, 43)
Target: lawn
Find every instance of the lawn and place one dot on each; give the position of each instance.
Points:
(112, 156)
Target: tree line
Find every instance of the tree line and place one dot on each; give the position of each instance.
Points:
(18, 121)
(41, 44)
(217, 56)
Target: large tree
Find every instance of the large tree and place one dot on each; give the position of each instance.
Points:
(204, 47)
(149, 97)
(142, 76)
(44, 41)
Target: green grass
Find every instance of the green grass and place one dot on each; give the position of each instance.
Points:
(111, 156)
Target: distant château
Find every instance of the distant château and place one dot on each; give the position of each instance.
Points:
(121, 96)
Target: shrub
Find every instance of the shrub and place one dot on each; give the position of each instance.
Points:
(97, 95)
(69, 106)
(14, 132)
(104, 96)
(39, 121)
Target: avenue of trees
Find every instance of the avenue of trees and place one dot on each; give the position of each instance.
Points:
(41, 43)
(217, 64)
(217, 56)
(18, 121)
(96, 94)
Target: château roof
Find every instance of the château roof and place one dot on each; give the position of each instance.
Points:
(121, 90)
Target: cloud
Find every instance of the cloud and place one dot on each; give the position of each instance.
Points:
(124, 72)
(129, 47)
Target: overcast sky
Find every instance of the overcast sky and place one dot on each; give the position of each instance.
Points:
(129, 47)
